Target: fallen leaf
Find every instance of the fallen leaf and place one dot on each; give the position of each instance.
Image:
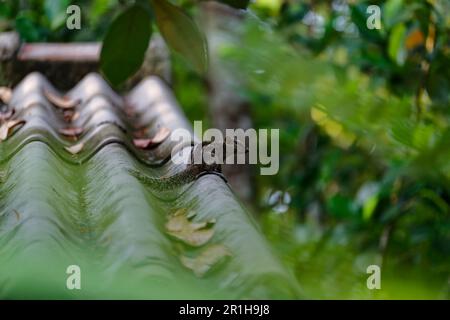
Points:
(7, 127)
(71, 132)
(61, 102)
(17, 213)
(208, 258)
(142, 143)
(75, 148)
(75, 116)
(5, 94)
(141, 133)
(192, 233)
(160, 136)
(68, 115)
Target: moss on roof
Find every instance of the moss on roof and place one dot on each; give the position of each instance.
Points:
(87, 208)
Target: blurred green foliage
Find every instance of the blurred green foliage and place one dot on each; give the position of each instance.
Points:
(45, 20)
(364, 123)
(365, 146)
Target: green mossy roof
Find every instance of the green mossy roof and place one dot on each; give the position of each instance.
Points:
(88, 209)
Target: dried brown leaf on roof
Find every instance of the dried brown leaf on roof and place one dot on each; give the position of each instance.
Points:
(192, 233)
(75, 116)
(5, 95)
(147, 143)
(75, 149)
(161, 135)
(71, 131)
(70, 115)
(208, 258)
(18, 215)
(7, 127)
(63, 102)
(141, 133)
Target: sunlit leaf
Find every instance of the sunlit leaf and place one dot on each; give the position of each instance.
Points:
(181, 33)
(396, 48)
(369, 207)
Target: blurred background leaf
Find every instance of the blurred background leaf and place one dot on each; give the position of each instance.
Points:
(181, 33)
(125, 44)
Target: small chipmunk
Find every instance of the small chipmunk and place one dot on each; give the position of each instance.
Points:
(192, 172)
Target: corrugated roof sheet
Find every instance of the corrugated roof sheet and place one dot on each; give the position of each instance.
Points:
(91, 209)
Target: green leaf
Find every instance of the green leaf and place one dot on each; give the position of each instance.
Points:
(181, 33)
(125, 44)
(369, 207)
(396, 48)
